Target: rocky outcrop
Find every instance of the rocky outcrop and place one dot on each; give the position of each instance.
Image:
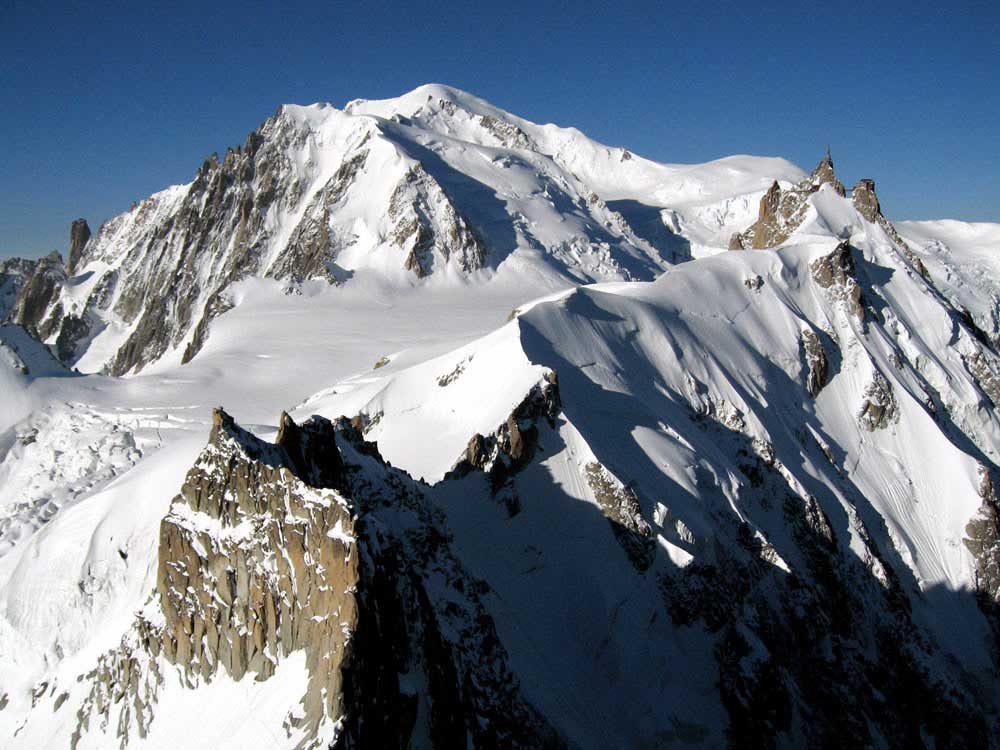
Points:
(864, 199)
(313, 544)
(621, 507)
(30, 293)
(217, 304)
(509, 448)
(776, 219)
(36, 307)
(879, 408)
(837, 274)
(427, 227)
(79, 234)
(982, 537)
(783, 211)
(228, 601)
(866, 202)
(824, 174)
(219, 223)
(504, 452)
(314, 246)
(816, 362)
(508, 134)
(13, 274)
(986, 371)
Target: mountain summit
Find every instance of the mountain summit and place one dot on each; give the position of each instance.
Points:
(436, 183)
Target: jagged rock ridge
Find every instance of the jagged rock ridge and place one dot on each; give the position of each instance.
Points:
(303, 545)
(783, 211)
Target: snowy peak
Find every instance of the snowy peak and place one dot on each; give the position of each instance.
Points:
(782, 211)
(436, 185)
(824, 174)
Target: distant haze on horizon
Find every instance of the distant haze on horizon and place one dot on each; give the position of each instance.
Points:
(108, 106)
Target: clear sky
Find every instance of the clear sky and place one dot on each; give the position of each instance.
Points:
(105, 103)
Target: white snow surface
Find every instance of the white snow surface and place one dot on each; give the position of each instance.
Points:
(89, 464)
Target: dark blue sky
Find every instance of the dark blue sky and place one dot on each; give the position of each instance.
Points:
(105, 103)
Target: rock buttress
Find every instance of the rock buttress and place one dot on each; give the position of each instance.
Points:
(275, 548)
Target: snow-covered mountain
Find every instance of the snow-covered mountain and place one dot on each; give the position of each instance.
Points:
(515, 453)
(436, 183)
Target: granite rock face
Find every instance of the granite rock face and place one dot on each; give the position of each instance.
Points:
(313, 544)
(512, 445)
(14, 272)
(816, 362)
(879, 408)
(79, 234)
(983, 537)
(428, 229)
(783, 211)
(620, 506)
(864, 199)
(837, 274)
(36, 306)
(866, 202)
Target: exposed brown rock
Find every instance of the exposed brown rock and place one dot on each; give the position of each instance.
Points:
(983, 537)
(837, 274)
(505, 451)
(816, 361)
(36, 306)
(73, 329)
(509, 135)
(267, 550)
(621, 507)
(312, 247)
(985, 370)
(866, 202)
(824, 174)
(771, 229)
(79, 234)
(879, 408)
(220, 218)
(216, 306)
(783, 211)
(864, 199)
(415, 200)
